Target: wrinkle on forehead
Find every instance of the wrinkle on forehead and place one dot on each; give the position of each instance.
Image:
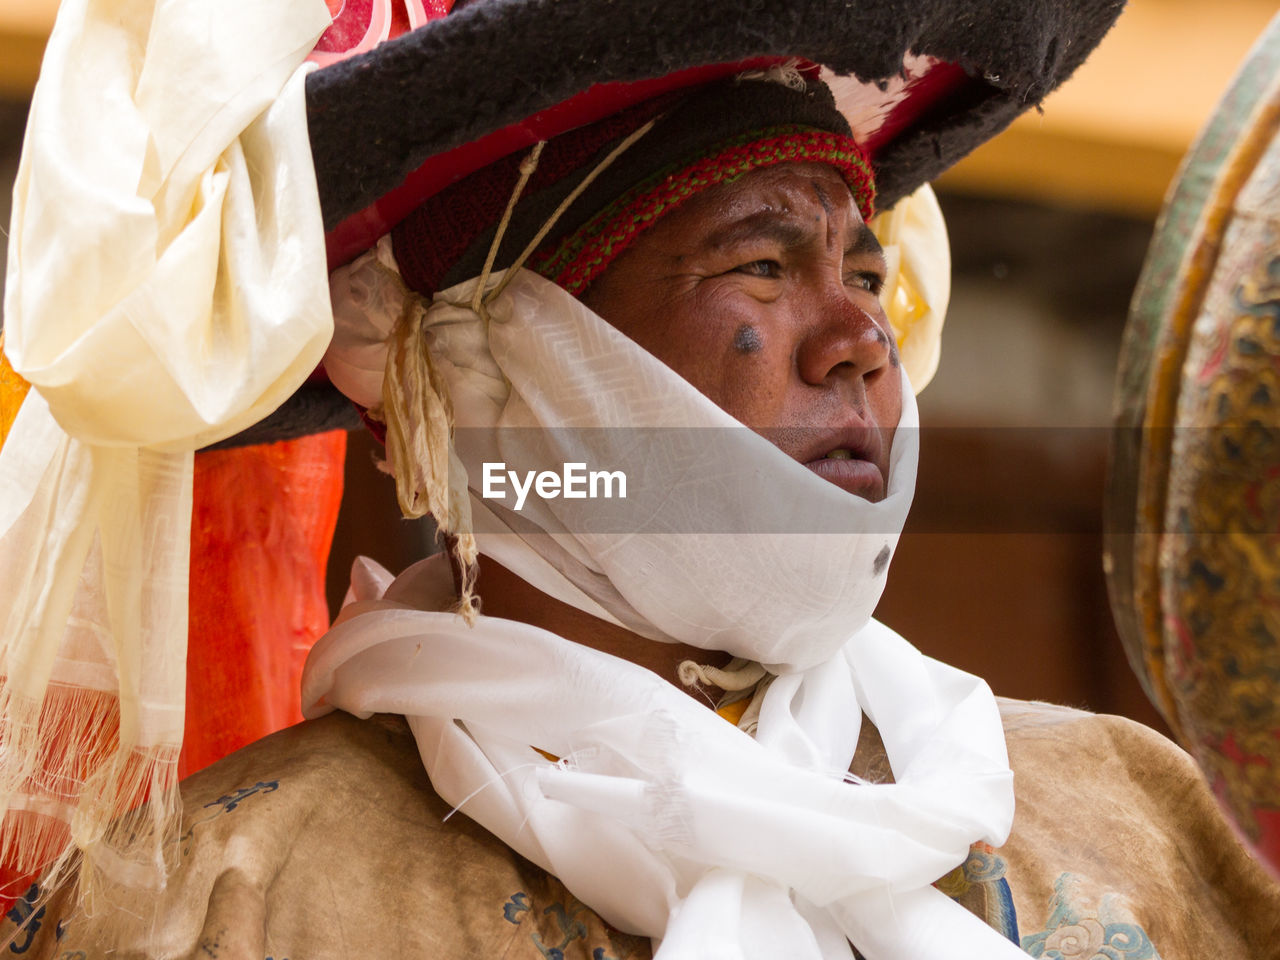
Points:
(823, 199)
(774, 201)
(830, 210)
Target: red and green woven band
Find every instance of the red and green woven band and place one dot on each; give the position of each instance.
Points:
(582, 256)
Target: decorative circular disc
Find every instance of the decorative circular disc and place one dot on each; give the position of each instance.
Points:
(1193, 548)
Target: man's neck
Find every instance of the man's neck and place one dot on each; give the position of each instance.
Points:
(503, 594)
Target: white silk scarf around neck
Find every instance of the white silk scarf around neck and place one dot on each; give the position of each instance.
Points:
(663, 818)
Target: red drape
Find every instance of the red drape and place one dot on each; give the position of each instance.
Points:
(261, 526)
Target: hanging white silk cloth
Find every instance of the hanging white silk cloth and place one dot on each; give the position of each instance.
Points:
(663, 818)
(166, 287)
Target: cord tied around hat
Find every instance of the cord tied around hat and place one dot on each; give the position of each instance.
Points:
(481, 299)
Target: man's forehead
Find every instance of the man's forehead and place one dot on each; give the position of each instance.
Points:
(786, 204)
(783, 186)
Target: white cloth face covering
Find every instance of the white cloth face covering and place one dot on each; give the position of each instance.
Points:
(662, 817)
(713, 544)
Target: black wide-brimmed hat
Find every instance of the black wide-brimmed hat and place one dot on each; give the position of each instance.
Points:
(927, 82)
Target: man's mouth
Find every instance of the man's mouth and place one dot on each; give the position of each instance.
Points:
(859, 477)
(848, 458)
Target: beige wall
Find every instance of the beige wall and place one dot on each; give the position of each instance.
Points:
(1112, 136)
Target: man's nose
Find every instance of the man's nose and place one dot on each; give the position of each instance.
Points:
(842, 338)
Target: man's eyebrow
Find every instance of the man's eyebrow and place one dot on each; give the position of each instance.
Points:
(864, 241)
(765, 225)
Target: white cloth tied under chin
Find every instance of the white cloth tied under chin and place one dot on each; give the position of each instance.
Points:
(661, 816)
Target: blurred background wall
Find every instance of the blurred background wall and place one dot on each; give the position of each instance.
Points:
(1000, 570)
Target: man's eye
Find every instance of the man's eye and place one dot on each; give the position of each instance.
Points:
(867, 280)
(770, 269)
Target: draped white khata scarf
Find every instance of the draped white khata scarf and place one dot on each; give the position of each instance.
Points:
(166, 288)
(661, 816)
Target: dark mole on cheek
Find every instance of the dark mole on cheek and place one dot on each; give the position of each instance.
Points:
(747, 339)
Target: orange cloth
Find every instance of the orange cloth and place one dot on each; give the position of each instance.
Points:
(261, 526)
(13, 390)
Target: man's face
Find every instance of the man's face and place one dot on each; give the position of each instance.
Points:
(763, 294)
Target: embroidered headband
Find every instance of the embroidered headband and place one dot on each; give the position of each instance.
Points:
(711, 136)
(584, 255)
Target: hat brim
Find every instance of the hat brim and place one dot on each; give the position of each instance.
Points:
(391, 126)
